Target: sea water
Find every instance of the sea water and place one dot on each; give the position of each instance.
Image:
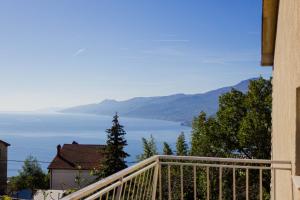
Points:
(38, 134)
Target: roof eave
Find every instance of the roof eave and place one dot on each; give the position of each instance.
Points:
(5, 143)
(269, 28)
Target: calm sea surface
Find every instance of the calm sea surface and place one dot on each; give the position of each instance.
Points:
(38, 134)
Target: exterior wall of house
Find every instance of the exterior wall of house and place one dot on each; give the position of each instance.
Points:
(65, 179)
(286, 80)
(3, 168)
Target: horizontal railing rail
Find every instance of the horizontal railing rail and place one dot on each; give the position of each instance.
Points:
(188, 177)
(217, 178)
(216, 159)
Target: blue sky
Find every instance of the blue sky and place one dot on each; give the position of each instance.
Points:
(64, 53)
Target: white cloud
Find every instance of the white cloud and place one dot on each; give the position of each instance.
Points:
(79, 51)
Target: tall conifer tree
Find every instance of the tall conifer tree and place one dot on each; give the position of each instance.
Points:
(181, 145)
(149, 148)
(167, 149)
(115, 154)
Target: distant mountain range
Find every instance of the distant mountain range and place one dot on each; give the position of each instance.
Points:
(177, 107)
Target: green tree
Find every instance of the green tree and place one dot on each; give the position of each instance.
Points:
(167, 149)
(31, 176)
(206, 140)
(240, 128)
(115, 155)
(149, 148)
(255, 129)
(229, 116)
(181, 146)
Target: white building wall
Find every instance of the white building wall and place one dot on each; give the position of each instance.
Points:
(286, 80)
(65, 179)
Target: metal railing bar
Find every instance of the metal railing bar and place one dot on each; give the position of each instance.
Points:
(220, 183)
(233, 185)
(260, 185)
(247, 184)
(169, 182)
(139, 172)
(108, 180)
(224, 166)
(124, 190)
(207, 183)
(160, 182)
(147, 182)
(134, 186)
(195, 182)
(181, 182)
(103, 191)
(142, 185)
(129, 189)
(120, 189)
(138, 186)
(146, 177)
(155, 177)
(217, 159)
(149, 188)
(114, 191)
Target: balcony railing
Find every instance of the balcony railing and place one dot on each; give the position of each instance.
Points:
(188, 177)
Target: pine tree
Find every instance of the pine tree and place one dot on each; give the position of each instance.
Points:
(181, 146)
(167, 149)
(115, 154)
(149, 148)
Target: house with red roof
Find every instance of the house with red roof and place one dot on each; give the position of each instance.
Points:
(73, 164)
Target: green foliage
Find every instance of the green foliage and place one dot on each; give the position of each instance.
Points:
(5, 197)
(115, 155)
(229, 116)
(181, 146)
(149, 148)
(240, 128)
(255, 129)
(242, 125)
(167, 149)
(30, 177)
(206, 140)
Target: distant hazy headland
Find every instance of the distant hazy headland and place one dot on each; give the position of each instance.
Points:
(177, 107)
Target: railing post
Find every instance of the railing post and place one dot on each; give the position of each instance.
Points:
(155, 179)
(233, 184)
(160, 184)
(220, 183)
(119, 190)
(144, 180)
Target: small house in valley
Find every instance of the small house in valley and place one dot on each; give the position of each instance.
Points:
(3, 166)
(73, 164)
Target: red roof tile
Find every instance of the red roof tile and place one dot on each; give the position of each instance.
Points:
(73, 156)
